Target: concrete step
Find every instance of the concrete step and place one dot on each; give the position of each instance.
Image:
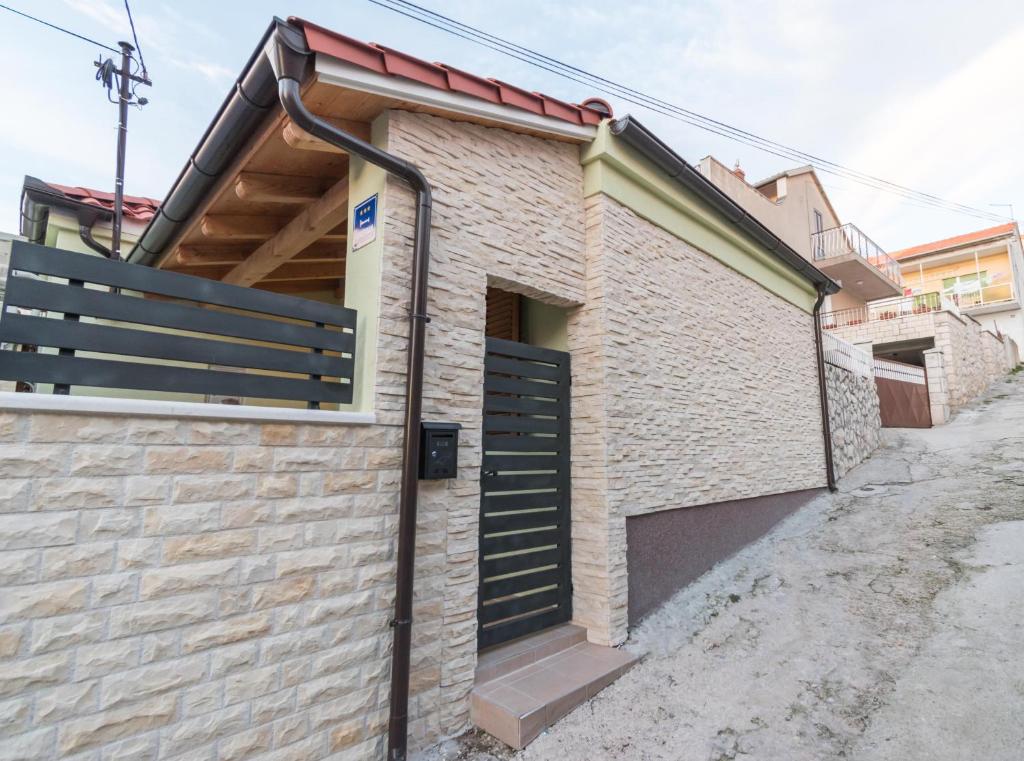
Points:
(515, 703)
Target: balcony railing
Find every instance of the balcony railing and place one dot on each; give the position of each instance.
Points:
(888, 309)
(992, 294)
(849, 239)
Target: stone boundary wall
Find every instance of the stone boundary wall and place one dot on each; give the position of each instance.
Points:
(195, 589)
(972, 358)
(1011, 352)
(854, 417)
(938, 389)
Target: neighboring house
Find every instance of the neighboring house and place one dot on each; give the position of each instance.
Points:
(795, 205)
(5, 253)
(79, 219)
(876, 309)
(982, 272)
(74, 218)
(205, 579)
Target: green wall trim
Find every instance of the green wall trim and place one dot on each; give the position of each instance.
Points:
(612, 168)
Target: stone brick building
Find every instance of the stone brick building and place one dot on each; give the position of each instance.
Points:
(188, 580)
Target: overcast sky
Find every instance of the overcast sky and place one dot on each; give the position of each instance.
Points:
(927, 94)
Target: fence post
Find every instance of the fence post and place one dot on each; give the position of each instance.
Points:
(64, 389)
(310, 405)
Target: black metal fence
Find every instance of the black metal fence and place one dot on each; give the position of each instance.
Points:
(141, 312)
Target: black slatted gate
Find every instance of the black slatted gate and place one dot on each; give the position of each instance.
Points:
(525, 575)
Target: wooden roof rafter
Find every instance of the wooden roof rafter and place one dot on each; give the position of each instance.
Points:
(276, 218)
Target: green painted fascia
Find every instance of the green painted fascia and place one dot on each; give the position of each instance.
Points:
(612, 168)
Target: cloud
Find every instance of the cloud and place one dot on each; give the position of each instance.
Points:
(959, 138)
(165, 34)
(104, 13)
(214, 73)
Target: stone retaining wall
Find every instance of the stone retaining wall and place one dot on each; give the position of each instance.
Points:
(854, 417)
(972, 357)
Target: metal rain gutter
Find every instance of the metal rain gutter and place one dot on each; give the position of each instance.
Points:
(85, 225)
(647, 144)
(34, 213)
(237, 119)
(36, 200)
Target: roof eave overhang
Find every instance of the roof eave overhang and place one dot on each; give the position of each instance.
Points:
(960, 247)
(333, 71)
(254, 98)
(245, 108)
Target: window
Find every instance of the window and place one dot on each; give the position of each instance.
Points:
(819, 242)
(965, 290)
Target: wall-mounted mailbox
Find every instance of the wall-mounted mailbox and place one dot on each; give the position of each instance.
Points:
(439, 450)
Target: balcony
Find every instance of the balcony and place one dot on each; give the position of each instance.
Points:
(846, 254)
(991, 298)
(888, 309)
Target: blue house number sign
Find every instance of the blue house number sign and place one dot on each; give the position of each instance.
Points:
(364, 230)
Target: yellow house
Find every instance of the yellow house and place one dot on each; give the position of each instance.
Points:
(982, 272)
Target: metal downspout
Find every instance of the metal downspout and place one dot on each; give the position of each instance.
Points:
(86, 221)
(85, 233)
(288, 57)
(826, 425)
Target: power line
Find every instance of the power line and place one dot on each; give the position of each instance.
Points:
(135, 37)
(58, 28)
(722, 129)
(694, 119)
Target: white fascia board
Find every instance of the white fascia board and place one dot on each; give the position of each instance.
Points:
(102, 405)
(332, 71)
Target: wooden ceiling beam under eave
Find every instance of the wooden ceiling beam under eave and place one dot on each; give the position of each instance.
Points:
(294, 270)
(336, 286)
(200, 255)
(242, 227)
(259, 187)
(290, 271)
(301, 140)
(310, 225)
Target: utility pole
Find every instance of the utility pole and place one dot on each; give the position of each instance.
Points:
(1006, 206)
(122, 143)
(124, 99)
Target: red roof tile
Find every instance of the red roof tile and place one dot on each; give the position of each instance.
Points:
(135, 207)
(957, 240)
(385, 60)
